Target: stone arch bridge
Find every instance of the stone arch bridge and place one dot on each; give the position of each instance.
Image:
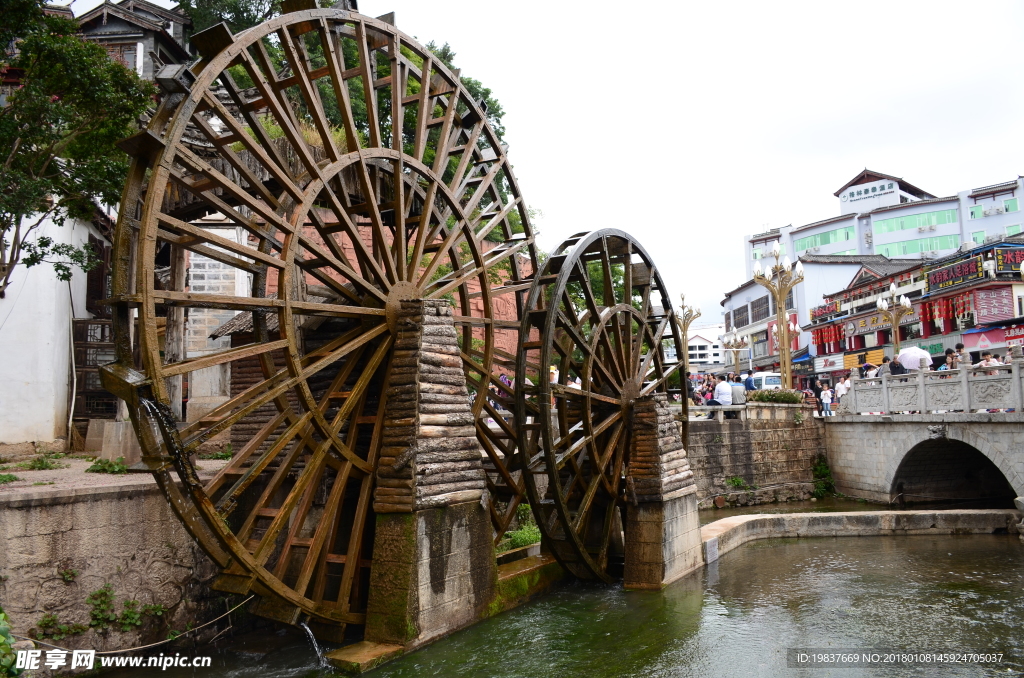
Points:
(921, 458)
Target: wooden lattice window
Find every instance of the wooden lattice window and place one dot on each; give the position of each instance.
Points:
(98, 281)
(759, 309)
(739, 317)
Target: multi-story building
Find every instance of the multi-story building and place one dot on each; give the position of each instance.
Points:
(885, 226)
(141, 35)
(749, 311)
(706, 355)
(974, 297)
(885, 215)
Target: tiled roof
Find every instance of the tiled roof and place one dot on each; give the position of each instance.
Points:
(843, 258)
(961, 253)
(996, 188)
(242, 323)
(915, 204)
(882, 266)
(908, 187)
(122, 12)
(844, 217)
(767, 235)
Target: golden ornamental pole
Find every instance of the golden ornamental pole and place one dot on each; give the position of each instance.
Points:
(894, 310)
(780, 280)
(734, 345)
(686, 315)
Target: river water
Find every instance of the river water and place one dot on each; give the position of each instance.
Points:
(734, 618)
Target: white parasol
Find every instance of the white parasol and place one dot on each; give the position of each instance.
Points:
(910, 357)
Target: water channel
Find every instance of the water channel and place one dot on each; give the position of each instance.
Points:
(734, 618)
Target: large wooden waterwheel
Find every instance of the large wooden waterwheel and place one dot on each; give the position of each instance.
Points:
(605, 324)
(361, 173)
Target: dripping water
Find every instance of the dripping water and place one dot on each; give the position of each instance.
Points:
(316, 648)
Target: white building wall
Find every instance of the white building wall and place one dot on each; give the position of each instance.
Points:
(35, 344)
(994, 225)
(880, 240)
(870, 196)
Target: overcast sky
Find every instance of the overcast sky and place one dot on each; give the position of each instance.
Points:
(692, 124)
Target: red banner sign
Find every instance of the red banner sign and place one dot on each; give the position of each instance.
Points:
(824, 309)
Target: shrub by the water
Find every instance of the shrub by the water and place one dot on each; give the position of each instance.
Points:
(7, 657)
(779, 396)
(824, 484)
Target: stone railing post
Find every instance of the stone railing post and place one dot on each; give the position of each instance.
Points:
(662, 528)
(922, 392)
(886, 407)
(433, 554)
(1016, 391)
(965, 388)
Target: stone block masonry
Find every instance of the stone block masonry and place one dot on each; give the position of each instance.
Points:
(434, 569)
(765, 453)
(662, 529)
(61, 545)
(867, 453)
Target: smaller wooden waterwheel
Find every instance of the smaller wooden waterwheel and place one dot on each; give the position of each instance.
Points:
(355, 171)
(596, 332)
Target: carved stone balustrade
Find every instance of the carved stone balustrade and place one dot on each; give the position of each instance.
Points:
(966, 389)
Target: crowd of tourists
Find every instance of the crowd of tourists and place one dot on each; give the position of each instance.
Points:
(732, 389)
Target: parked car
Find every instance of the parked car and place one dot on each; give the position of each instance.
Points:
(770, 381)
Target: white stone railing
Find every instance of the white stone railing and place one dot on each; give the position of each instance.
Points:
(967, 389)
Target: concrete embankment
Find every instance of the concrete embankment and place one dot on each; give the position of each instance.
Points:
(724, 535)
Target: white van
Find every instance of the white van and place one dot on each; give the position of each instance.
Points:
(769, 381)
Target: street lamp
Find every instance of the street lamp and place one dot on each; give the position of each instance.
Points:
(686, 315)
(734, 344)
(893, 310)
(780, 280)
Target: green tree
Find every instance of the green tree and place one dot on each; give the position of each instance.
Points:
(475, 88)
(237, 14)
(57, 136)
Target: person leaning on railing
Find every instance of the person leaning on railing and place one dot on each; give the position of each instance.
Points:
(950, 364)
(988, 361)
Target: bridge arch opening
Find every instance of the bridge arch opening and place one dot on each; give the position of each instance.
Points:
(950, 472)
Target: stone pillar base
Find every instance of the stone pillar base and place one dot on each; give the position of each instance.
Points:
(119, 441)
(662, 540)
(433, 573)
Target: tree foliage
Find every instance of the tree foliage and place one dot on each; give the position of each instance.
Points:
(237, 14)
(57, 136)
(476, 89)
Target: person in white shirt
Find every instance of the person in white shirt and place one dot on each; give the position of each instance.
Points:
(826, 401)
(988, 361)
(842, 387)
(723, 393)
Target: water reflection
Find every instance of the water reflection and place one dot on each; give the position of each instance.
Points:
(735, 618)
